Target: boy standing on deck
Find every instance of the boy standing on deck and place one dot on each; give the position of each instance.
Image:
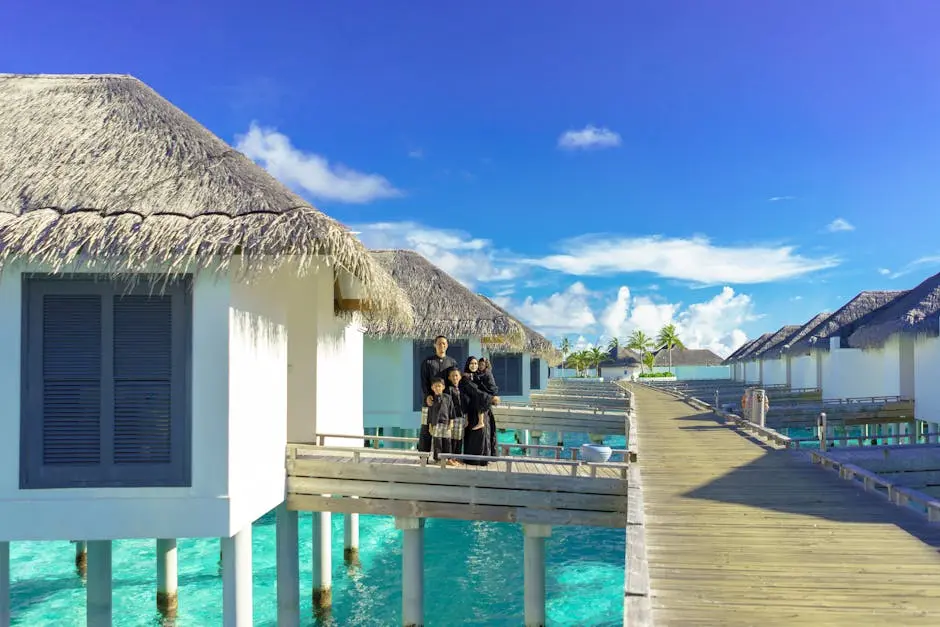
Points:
(441, 414)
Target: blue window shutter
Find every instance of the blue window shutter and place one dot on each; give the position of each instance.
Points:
(143, 379)
(106, 384)
(514, 375)
(535, 374)
(71, 370)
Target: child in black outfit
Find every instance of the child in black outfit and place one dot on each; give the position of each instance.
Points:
(441, 415)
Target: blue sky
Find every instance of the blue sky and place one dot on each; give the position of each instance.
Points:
(598, 166)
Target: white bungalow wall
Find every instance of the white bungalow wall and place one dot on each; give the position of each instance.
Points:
(854, 373)
(696, 373)
(775, 372)
(927, 378)
(752, 371)
(803, 371)
(256, 356)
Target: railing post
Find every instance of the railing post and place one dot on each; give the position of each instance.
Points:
(822, 431)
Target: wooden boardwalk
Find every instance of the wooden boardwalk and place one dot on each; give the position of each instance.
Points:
(739, 532)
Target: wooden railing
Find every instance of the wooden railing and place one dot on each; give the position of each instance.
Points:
(901, 496)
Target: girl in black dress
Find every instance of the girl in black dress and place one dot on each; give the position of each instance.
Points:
(487, 383)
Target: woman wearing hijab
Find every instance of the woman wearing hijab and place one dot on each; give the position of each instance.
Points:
(487, 383)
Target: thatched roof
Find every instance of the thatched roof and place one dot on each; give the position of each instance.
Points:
(442, 305)
(687, 357)
(733, 357)
(622, 356)
(844, 320)
(801, 332)
(102, 170)
(917, 311)
(535, 343)
(775, 340)
(748, 354)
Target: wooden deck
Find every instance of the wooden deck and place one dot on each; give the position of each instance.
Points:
(562, 420)
(405, 483)
(740, 532)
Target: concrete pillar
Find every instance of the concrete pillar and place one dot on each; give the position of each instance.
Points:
(167, 600)
(4, 584)
(98, 588)
(933, 429)
(81, 557)
(534, 573)
(351, 537)
(322, 562)
(237, 605)
(412, 571)
(288, 567)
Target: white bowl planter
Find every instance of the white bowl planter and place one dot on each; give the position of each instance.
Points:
(596, 453)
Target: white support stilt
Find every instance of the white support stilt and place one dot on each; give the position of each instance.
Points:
(351, 537)
(322, 562)
(4, 584)
(932, 432)
(534, 573)
(288, 568)
(412, 571)
(81, 557)
(98, 589)
(237, 605)
(167, 577)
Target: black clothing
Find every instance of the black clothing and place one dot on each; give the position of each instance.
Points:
(487, 382)
(441, 415)
(475, 441)
(431, 367)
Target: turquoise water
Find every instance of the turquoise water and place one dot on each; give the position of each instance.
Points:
(473, 576)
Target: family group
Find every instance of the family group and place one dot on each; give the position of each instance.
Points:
(459, 408)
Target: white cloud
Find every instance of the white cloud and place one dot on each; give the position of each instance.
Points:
(694, 259)
(796, 298)
(416, 153)
(468, 259)
(309, 172)
(714, 324)
(839, 224)
(559, 314)
(913, 266)
(589, 137)
(780, 198)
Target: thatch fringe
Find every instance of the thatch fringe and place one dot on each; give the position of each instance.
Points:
(917, 312)
(844, 321)
(785, 346)
(441, 305)
(775, 341)
(536, 344)
(733, 357)
(102, 172)
(748, 354)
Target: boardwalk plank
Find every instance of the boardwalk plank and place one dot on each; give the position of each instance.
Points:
(741, 533)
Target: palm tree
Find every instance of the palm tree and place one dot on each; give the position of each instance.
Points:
(641, 343)
(579, 361)
(649, 360)
(668, 338)
(565, 349)
(613, 346)
(595, 356)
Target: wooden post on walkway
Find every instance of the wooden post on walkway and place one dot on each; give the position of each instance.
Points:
(412, 571)
(823, 432)
(534, 573)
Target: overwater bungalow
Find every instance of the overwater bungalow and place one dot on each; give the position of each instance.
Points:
(737, 366)
(898, 348)
(691, 364)
(173, 316)
(751, 365)
(537, 357)
(393, 349)
(800, 368)
(837, 369)
(774, 369)
(621, 363)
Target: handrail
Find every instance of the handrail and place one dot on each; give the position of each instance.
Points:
(898, 494)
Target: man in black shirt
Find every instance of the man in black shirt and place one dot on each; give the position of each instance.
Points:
(434, 366)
